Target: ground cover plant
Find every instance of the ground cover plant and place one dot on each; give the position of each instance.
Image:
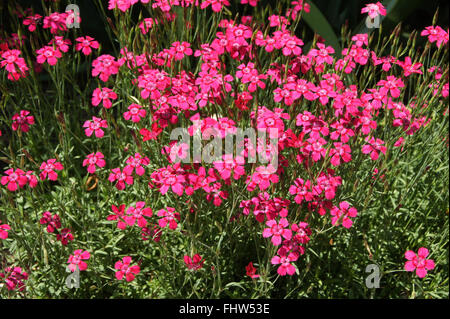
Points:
(125, 173)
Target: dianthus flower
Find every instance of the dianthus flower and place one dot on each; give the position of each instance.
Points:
(14, 179)
(137, 213)
(53, 222)
(104, 66)
(86, 44)
(374, 9)
(14, 278)
(48, 169)
(121, 178)
(419, 262)
(48, 54)
(22, 121)
(277, 230)
(194, 263)
(93, 160)
(169, 217)
(104, 95)
(95, 126)
(343, 214)
(135, 113)
(124, 269)
(4, 230)
(76, 260)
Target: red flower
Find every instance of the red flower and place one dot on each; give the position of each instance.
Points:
(92, 160)
(95, 126)
(48, 54)
(195, 263)
(169, 217)
(251, 271)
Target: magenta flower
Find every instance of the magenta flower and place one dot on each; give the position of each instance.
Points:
(104, 95)
(135, 113)
(374, 9)
(53, 222)
(32, 180)
(61, 43)
(436, 34)
(124, 269)
(14, 278)
(277, 230)
(119, 215)
(374, 147)
(194, 263)
(76, 260)
(95, 126)
(48, 169)
(48, 54)
(105, 66)
(137, 213)
(121, 178)
(285, 263)
(135, 163)
(93, 160)
(86, 44)
(10, 61)
(301, 190)
(22, 120)
(169, 216)
(343, 214)
(418, 262)
(14, 179)
(4, 230)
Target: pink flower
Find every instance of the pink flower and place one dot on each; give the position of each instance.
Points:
(135, 163)
(14, 179)
(169, 216)
(48, 169)
(170, 177)
(263, 177)
(194, 263)
(95, 126)
(301, 190)
(76, 260)
(11, 61)
(14, 278)
(119, 215)
(105, 66)
(135, 113)
(391, 85)
(137, 213)
(436, 34)
(92, 160)
(61, 43)
(340, 151)
(343, 214)
(179, 50)
(216, 5)
(22, 120)
(124, 269)
(251, 271)
(86, 44)
(104, 95)
(374, 147)
(4, 230)
(277, 230)
(285, 261)
(418, 262)
(121, 177)
(48, 54)
(32, 21)
(374, 9)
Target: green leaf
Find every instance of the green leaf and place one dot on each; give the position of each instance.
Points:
(319, 24)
